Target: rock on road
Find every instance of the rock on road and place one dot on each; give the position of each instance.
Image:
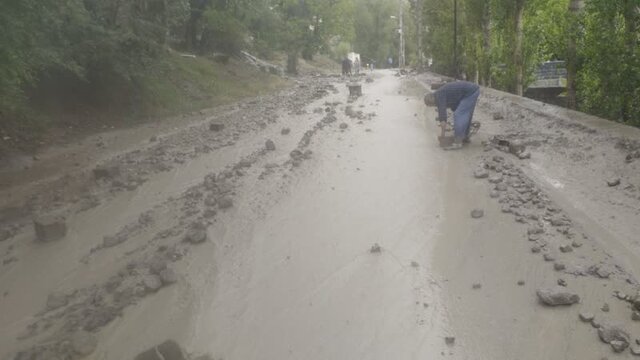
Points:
(332, 242)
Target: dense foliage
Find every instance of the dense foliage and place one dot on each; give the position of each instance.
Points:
(501, 42)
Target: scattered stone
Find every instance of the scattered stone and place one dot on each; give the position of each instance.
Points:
(566, 248)
(56, 300)
(524, 155)
(535, 249)
(343, 126)
(635, 350)
(502, 187)
(562, 282)
(495, 179)
(609, 333)
(414, 264)
(613, 182)
(168, 276)
(619, 346)
(635, 316)
(605, 307)
(216, 127)
(450, 340)
(535, 230)
(548, 257)
(196, 234)
(557, 296)
(225, 202)
(285, 131)
(586, 316)
(559, 266)
(152, 283)
(481, 173)
(153, 139)
(476, 286)
(375, 248)
(494, 194)
(50, 227)
(168, 350)
(477, 213)
(83, 343)
(576, 244)
(520, 282)
(498, 116)
(270, 145)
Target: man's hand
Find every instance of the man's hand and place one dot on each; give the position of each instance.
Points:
(443, 125)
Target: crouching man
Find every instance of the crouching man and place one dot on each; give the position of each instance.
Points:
(461, 97)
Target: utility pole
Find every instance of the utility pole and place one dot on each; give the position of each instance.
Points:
(401, 59)
(455, 39)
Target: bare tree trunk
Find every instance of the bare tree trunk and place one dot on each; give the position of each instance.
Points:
(572, 67)
(631, 33)
(292, 63)
(518, 56)
(485, 71)
(419, 34)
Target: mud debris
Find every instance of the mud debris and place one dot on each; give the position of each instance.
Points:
(50, 227)
(375, 249)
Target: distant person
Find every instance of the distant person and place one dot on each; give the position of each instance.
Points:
(346, 67)
(461, 97)
(390, 61)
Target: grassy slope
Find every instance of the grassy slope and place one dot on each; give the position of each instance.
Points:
(178, 85)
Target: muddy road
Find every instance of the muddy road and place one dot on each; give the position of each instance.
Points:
(305, 225)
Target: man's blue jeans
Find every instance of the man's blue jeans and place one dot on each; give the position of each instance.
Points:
(463, 115)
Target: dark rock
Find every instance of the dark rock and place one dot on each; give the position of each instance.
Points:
(106, 172)
(477, 213)
(270, 145)
(50, 227)
(476, 286)
(613, 182)
(225, 202)
(168, 350)
(520, 282)
(113, 240)
(152, 283)
(196, 234)
(481, 173)
(557, 296)
(168, 276)
(566, 248)
(216, 127)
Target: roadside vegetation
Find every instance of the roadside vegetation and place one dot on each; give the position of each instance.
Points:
(501, 42)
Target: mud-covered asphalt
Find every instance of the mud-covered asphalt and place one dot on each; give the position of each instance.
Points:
(304, 225)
